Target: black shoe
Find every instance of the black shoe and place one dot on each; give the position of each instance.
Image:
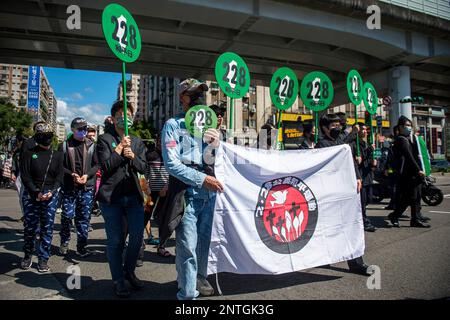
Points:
(361, 269)
(43, 266)
(139, 263)
(83, 253)
(121, 290)
(394, 221)
(423, 218)
(389, 207)
(419, 224)
(26, 262)
(90, 229)
(134, 281)
(369, 228)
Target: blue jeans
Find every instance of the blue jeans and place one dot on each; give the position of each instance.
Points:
(193, 237)
(77, 205)
(39, 217)
(131, 210)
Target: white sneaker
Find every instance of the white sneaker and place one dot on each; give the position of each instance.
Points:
(204, 287)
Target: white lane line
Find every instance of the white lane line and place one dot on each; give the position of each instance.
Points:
(446, 195)
(439, 211)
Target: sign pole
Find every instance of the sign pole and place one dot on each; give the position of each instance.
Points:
(231, 115)
(316, 133)
(280, 113)
(124, 90)
(357, 135)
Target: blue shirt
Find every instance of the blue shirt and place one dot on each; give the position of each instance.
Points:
(182, 155)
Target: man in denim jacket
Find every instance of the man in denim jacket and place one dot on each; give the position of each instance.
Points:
(183, 158)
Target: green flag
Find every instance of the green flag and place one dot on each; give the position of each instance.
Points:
(423, 155)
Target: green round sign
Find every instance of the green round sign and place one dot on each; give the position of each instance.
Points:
(200, 118)
(284, 88)
(232, 75)
(370, 98)
(121, 32)
(316, 91)
(355, 87)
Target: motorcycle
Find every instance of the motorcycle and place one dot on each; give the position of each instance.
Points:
(430, 194)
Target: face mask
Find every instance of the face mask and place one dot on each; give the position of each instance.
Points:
(43, 139)
(79, 134)
(335, 132)
(121, 122)
(407, 131)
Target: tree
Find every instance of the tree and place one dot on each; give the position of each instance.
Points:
(13, 122)
(143, 129)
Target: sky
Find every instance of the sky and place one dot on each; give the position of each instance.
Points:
(88, 94)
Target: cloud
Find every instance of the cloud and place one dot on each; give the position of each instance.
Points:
(76, 96)
(88, 89)
(94, 113)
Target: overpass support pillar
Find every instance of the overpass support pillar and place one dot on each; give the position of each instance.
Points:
(399, 87)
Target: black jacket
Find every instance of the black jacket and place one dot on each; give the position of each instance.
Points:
(34, 162)
(90, 166)
(115, 168)
(325, 142)
(366, 167)
(406, 158)
(170, 212)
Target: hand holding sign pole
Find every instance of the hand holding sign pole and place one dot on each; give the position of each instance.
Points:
(122, 35)
(283, 91)
(355, 94)
(233, 78)
(317, 93)
(370, 99)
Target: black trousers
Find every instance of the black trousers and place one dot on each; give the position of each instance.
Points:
(407, 194)
(366, 197)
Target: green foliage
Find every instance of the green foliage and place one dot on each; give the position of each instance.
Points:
(13, 122)
(143, 129)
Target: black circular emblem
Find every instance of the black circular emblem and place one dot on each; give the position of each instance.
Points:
(286, 214)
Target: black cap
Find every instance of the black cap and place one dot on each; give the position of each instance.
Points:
(218, 110)
(78, 122)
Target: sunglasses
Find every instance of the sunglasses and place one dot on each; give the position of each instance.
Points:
(82, 129)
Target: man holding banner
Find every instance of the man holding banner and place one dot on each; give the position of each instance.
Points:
(182, 154)
(331, 131)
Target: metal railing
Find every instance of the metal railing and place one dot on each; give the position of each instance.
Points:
(437, 8)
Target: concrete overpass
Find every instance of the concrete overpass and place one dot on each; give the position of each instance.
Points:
(184, 37)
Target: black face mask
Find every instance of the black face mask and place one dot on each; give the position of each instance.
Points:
(44, 139)
(196, 99)
(335, 132)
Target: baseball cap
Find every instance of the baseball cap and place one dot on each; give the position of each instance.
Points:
(78, 122)
(42, 127)
(218, 110)
(191, 85)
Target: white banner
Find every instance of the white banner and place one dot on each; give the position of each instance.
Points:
(283, 211)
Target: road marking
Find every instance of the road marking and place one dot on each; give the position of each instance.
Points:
(439, 211)
(446, 195)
